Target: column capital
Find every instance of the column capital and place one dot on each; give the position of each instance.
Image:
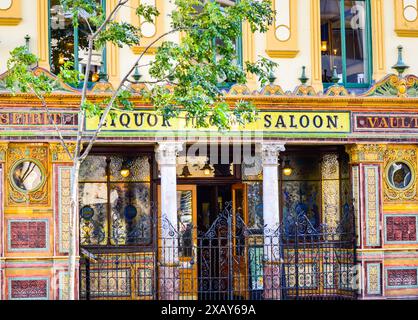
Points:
(3, 150)
(363, 153)
(270, 152)
(166, 152)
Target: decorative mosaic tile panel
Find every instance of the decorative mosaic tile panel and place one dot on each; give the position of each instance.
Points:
(372, 205)
(308, 276)
(356, 202)
(28, 235)
(64, 208)
(401, 228)
(374, 283)
(405, 277)
(28, 288)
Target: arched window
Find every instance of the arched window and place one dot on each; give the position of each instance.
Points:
(346, 42)
(69, 43)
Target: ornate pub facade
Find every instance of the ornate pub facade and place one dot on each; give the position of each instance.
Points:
(315, 199)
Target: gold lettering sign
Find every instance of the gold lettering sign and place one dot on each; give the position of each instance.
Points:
(268, 122)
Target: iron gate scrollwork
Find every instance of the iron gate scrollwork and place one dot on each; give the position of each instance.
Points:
(229, 261)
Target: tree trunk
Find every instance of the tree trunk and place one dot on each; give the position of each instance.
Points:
(73, 252)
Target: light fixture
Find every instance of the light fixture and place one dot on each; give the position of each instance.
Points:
(61, 59)
(207, 169)
(186, 172)
(125, 170)
(287, 169)
(335, 51)
(324, 46)
(95, 77)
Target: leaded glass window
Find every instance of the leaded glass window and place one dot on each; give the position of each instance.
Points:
(115, 208)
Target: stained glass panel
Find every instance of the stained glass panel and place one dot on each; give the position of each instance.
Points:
(93, 216)
(131, 214)
(139, 168)
(93, 168)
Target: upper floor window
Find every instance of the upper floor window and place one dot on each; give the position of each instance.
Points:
(225, 83)
(69, 43)
(346, 42)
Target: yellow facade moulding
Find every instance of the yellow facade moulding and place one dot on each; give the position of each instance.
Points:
(11, 13)
(150, 31)
(43, 34)
(282, 36)
(378, 39)
(112, 52)
(316, 64)
(248, 53)
(406, 18)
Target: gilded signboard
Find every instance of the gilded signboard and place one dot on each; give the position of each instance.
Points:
(268, 121)
(386, 123)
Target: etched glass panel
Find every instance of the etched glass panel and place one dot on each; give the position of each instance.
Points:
(93, 169)
(255, 205)
(131, 214)
(93, 216)
(185, 222)
(139, 168)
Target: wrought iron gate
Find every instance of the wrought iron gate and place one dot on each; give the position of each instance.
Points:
(230, 261)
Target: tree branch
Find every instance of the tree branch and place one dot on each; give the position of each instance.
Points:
(115, 94)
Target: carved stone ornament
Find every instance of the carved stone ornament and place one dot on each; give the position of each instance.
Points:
(270, 153)
(3, 151)
(400, 174)
(366, 153)
(58, 152)
(166, 152)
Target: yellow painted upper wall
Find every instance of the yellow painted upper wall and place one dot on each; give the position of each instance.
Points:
(289, 69)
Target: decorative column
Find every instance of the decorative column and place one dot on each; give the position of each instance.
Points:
(168, 273)
(3, 149)
(271, 216)
(366, 171)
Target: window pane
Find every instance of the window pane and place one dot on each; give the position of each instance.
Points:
(356, 41)
(131, 213)
(93, 213)
(93, 168)
(185, 222)
(138, 166)
(331, 39)
(62, 36)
